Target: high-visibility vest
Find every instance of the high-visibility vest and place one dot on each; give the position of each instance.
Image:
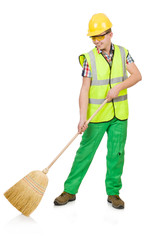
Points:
(103, 79)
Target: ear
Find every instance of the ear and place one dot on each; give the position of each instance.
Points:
(111, 34)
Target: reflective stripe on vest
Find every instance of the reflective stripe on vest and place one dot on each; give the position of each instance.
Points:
(100, 101)
(122, 51)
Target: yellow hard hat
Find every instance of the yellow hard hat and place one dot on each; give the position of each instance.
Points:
(98, 24)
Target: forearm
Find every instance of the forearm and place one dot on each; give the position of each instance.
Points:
(130, 81)
(83, 103)
(127, 83)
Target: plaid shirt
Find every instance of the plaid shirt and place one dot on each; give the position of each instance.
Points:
(86, 72)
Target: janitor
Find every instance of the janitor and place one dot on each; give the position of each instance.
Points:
(104, 77)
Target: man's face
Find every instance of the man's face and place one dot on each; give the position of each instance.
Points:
(102, 44)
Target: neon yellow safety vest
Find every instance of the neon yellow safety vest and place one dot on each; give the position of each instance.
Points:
(103, 79)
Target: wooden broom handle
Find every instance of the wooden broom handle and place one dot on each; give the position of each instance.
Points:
(47, 169)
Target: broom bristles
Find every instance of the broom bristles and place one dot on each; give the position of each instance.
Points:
(26, 194)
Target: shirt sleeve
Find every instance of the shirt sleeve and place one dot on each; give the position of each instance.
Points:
(86, 72)
(129, 59)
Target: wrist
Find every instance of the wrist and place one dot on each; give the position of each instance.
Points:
(119, 87)
(82, 118)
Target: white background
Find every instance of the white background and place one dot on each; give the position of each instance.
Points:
(40, 80)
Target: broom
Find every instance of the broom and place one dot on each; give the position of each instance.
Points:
(26, 194)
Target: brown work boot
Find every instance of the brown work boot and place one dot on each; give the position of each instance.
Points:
(116, 201)
(64, 198)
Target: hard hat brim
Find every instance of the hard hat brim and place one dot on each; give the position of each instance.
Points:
(91, 34)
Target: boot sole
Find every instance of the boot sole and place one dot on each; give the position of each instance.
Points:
(120, 207)
(60, 204)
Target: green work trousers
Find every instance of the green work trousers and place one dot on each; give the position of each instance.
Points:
(117, 132)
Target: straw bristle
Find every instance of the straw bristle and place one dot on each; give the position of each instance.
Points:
(26, 194)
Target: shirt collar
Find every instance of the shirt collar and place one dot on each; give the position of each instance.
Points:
(111, 49)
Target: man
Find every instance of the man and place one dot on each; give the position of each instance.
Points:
(104, 76)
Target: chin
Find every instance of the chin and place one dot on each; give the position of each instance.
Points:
(100, 47)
